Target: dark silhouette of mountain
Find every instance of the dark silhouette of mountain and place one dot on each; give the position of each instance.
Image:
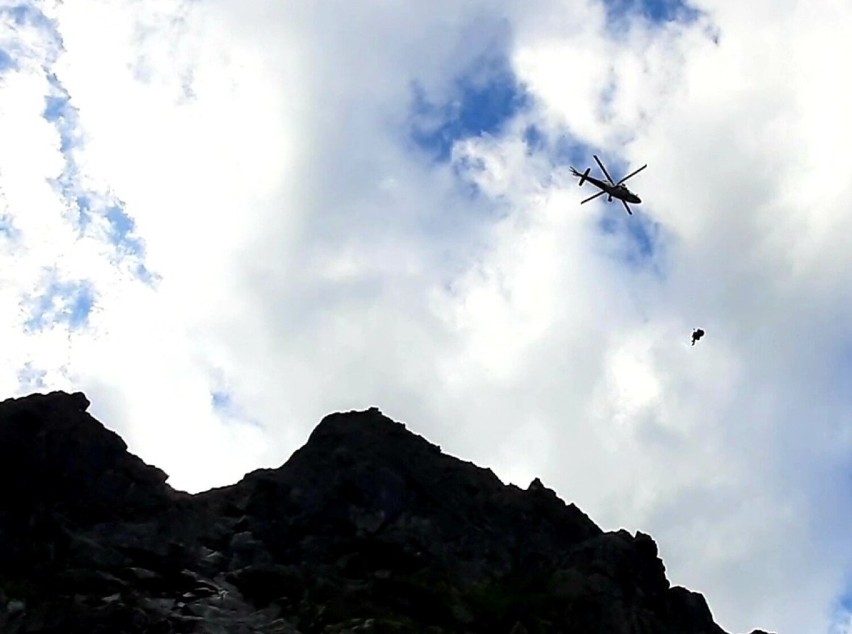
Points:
(367, 528)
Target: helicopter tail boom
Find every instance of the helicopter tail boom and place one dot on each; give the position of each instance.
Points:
(582, 176)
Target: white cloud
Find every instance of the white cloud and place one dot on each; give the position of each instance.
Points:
(307, 257)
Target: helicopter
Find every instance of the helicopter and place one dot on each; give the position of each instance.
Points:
(609, 187)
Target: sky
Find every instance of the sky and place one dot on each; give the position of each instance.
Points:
(223, 221)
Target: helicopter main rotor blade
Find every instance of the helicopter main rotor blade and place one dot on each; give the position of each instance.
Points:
(608, 177)
(632, 174)
(600, 193)
(627, 207)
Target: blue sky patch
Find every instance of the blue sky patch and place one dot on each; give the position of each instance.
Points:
(122, 224)
(7, 229)
(660, 11)
(59, 111)
(535, 139)
(24, 14)
(84, 209)
(89, 204)
(146, 276)
(31, 378)
(641, 239)
(842, 616)
(481, 102)
(61, 303)
(221, 401)
(6, 61)
(569, 151)
(122, 231)
(226, 405)
(18, 13)
(54, 109)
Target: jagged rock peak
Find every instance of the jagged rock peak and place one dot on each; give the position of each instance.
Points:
(536, 486)
(55, 401)
(66, 457)
(360, 428)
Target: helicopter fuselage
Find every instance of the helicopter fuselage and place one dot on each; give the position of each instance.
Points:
(616, 191)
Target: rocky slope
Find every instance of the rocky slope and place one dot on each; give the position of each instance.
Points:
(367, 528)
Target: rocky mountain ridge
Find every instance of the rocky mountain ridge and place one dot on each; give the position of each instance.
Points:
(367, 528)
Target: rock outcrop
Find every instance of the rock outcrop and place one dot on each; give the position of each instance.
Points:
(367, 528)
